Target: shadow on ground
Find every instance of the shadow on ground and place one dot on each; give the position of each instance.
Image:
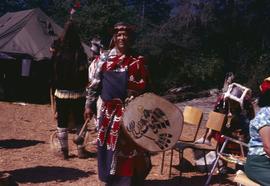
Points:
(18, 143)
(198, 179)
(186, 166)
(189, 181)
(42, 174)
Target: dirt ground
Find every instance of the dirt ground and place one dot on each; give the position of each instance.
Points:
(25, 152)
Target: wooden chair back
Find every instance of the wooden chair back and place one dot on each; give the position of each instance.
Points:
(192, 117)
(215, 121)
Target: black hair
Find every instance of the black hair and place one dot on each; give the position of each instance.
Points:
(70, 38)
(264, 99)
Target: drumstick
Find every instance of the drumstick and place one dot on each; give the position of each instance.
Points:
(79, 139)
(83, 127)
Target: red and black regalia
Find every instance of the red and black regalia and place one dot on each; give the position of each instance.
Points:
(117, 77)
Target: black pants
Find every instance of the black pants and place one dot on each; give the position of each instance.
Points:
(65, 107)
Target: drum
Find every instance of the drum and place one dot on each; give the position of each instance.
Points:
(152, 122)
(237, 93)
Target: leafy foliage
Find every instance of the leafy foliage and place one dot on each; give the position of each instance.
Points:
(195, 43)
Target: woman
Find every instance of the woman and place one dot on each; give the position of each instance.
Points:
(70, 77)
(257, 166)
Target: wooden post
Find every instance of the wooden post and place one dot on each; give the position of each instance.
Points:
(52, 97)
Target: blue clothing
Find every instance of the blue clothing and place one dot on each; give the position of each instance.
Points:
(257, 166)
(262, 119)
(257, 169)
(113, 87)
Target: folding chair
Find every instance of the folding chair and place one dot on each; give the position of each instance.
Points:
(228, 157)
(215, 122)
(192, 117)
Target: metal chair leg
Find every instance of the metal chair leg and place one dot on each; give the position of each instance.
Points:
(162, 162)
(205, 162)
(170, 169)
(215, 163)
(181, 155)
(212, 171)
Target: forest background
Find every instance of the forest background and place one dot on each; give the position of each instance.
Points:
(185, 42)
